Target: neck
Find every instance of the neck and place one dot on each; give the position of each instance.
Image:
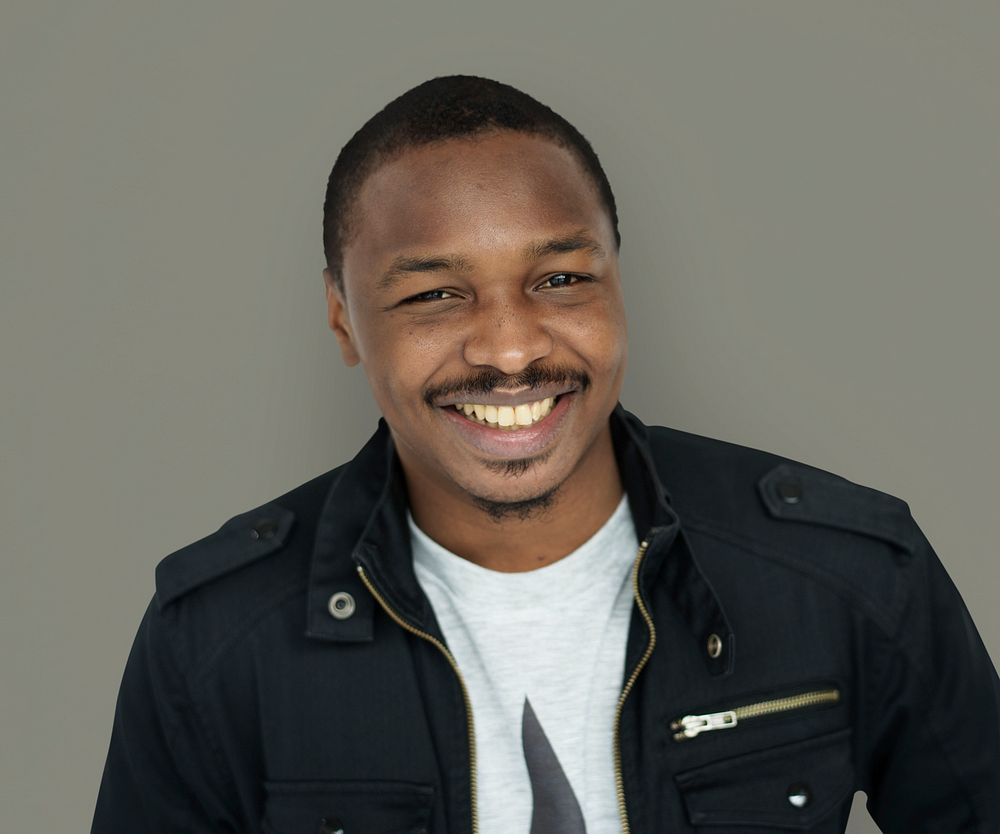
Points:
(516, 542)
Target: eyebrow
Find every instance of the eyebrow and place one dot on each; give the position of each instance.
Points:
(578, 241)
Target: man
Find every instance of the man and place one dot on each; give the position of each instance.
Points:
(517, 608)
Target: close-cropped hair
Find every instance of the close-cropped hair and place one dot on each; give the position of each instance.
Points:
(442, 108)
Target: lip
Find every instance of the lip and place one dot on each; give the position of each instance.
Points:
(521, 443)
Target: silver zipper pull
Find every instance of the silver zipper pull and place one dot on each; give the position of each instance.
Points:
(691, 725)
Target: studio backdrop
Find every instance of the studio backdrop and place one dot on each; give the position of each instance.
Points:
(808, 200)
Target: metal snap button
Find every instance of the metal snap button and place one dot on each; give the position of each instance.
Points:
(790, 492)
(330, 825)
(341, 605)
(799, 794)
(264, 529)
(714, 645)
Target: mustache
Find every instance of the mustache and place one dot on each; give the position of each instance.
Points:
(488, 380)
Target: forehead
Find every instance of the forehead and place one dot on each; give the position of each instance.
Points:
(481, 194)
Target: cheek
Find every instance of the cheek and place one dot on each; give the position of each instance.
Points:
(601, 340)
(430, 338)
(404, 359)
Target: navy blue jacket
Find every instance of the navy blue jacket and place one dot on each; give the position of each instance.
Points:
(794, 639)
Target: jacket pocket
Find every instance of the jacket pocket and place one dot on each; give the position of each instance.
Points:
(795, 787)
(348, 806)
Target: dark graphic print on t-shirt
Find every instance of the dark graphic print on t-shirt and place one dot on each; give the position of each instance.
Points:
(555, 809)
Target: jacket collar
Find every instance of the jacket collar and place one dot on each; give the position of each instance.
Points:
(363, 523)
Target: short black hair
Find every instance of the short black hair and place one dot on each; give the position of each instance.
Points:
(445, 107)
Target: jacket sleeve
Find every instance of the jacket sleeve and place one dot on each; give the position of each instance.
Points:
(158, 776)
(933, 734)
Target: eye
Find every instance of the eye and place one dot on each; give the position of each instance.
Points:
(566, 275)
(423, 296)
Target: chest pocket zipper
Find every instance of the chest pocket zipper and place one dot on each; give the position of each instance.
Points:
(690, 726)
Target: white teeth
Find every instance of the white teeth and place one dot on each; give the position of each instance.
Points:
(507, 417)
(522, 414)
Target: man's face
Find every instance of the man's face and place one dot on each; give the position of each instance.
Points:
(453, 296)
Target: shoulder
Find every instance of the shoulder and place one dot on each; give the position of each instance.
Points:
(846, 534)
(239, 541)
(216, 586)
(711, 475)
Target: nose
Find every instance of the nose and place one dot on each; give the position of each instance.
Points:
(508, 334)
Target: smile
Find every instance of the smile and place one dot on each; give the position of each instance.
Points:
(498, 432)
(509, 418)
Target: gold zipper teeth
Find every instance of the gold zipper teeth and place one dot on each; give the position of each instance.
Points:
(692, 725)
(619, 778)
(791, 702)
(465, 691)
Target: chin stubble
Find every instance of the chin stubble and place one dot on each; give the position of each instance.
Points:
(522, 510)
(515, 466)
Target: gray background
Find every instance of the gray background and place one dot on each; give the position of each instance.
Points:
(809, 210)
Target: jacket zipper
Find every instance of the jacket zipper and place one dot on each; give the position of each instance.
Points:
(619, 779)
(465, 692)
(691, 725)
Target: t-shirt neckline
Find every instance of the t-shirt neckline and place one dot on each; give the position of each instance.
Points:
(569, 575)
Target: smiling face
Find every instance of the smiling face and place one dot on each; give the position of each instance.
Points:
(483, 271)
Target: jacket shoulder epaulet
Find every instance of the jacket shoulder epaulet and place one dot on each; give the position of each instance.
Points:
(243, 539)
(794, 491)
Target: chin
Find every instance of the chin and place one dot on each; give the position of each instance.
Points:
(521, 507)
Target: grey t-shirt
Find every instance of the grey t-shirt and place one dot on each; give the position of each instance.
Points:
(542, 653)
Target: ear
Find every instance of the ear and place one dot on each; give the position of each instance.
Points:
(339, 320)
